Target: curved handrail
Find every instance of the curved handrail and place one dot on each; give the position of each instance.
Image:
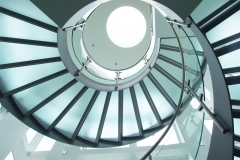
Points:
(179, 102)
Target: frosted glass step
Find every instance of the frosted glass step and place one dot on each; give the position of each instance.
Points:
(31, 97)
(130, 127)
(234, 91)
(16, 77)
(164, 108)
(15, 28)
(70, 121)
(90, 127)
(232, 21)
(208, 7)
(12, 52)
(230, 60)
(110, 128)
(32, 11)
(48, 113)
(171, 69)
(169, 86)
(146, 113)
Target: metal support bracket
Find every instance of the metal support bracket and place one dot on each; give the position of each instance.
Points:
(146, 61)
(213, 116)
(200, 106)
(79, 25)
(179, 23)
(84, 66)
(117, 78)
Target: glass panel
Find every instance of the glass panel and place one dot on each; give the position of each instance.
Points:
(164, 108)
(129, 118)
(208, 7)
(190, 124)
(234, 91)
(96, 70)
(48, 113)
(233, 21)
(146, 114)
(31, 97)
(69, 122)
(32, 11)
(110, 128)
(236, 122)
(19, 29)
(89, 129)
(169, 86)
(45, 144)
(12, 52)
(17, 77)
(230, 60)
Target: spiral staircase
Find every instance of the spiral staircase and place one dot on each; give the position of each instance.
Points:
(39, 90)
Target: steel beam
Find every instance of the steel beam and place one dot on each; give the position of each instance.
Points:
(28, 42)
(29, 63)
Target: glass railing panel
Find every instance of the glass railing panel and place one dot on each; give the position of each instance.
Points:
(82, 55)
(213, 35)
(208, 7)
(192, 62)
(187, 130)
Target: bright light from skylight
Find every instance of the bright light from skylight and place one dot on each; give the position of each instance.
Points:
(170, 138)
(9, 156)
(209, 125)
(194, 103)
(126, 27)
(45, 144)
(30, 135)
(207, 94)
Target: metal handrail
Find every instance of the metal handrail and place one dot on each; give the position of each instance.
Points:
(179, 102)
(215, 120)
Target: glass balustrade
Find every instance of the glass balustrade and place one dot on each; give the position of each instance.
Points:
(81, 55)
(189, 122)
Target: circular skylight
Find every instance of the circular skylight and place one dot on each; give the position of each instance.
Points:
(126, 27)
